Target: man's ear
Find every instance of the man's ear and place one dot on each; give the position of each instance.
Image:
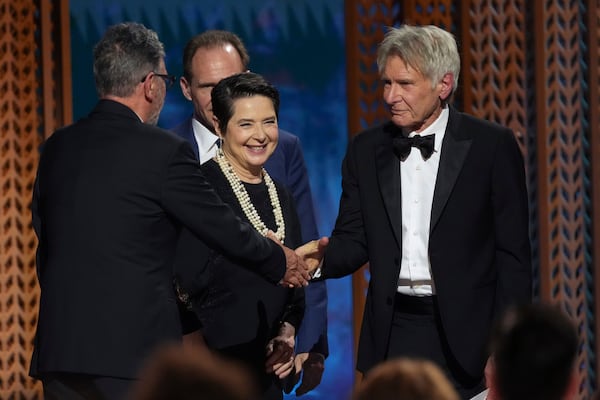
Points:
(186, 88)
(447, 84)
(149, 87)
(144, 83)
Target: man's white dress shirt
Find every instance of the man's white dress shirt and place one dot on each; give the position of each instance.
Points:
(418, 178)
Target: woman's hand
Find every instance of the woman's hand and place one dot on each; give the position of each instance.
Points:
(280, 351)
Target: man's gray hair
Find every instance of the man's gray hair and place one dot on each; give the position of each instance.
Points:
(428, 49)
(126, 53)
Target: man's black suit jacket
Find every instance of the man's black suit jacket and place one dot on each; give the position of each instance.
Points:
(478, 246)
(110, 196)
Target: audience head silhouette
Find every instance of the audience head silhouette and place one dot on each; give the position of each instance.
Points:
(408, 379)
(184, 373)
(534, 349)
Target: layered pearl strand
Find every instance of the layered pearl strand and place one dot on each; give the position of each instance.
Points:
(244, 199)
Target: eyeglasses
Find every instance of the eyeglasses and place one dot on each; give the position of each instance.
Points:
(169, 79)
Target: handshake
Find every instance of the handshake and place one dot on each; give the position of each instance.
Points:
(302, 263)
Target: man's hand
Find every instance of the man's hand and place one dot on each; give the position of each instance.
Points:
(280, 352)
(312, 366)
(490, 379)
(312, 253)
(296, 274)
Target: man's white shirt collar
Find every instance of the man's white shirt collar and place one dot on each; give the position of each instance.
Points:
(438, 127)
(206, 140)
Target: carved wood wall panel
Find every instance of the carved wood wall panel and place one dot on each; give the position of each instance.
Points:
(19, 120)
(29, 104)
(593, 160)
(561, 144)
(531, 66)
(426, 12)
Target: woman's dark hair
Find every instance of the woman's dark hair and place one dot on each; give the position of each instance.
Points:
(245, 84)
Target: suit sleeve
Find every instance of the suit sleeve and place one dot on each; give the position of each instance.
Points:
(347, 249)
(511, 224)
(312, 336)
(297, 182)
(190, 199)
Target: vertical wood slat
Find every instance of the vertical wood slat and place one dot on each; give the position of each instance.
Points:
(561, 185)
(55, 44)
(593, 22)
(65, 106)
(542, 149)
(352, 72)
(559, 142)
(47, 45)
(19, 121)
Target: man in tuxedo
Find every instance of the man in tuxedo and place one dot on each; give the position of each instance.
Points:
(111, 194)
(435, 201)
(208, 58)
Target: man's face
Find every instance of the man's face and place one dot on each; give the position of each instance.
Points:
(414, 101)
(209, 66)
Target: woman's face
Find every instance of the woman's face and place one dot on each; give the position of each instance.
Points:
(251, 135)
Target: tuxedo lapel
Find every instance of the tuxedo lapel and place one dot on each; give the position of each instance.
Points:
(388, 174)
(189, 135)
(454, 152)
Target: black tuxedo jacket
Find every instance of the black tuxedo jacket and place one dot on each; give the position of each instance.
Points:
(478, 246)
(110, 197)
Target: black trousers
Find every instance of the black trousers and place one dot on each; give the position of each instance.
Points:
(66, 386)
(417, 332)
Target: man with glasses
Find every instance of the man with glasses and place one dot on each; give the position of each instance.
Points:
(111, 194)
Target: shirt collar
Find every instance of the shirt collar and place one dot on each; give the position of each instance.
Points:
(205, 137)
(438, 127)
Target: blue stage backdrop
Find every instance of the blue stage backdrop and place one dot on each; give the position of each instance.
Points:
(299, 46)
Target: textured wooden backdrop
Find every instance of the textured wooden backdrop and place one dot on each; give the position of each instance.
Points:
(34, 100)
(531, 66)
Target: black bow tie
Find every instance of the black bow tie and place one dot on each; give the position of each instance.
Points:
(403, 144)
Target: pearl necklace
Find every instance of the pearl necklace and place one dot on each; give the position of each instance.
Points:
(244, 199)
